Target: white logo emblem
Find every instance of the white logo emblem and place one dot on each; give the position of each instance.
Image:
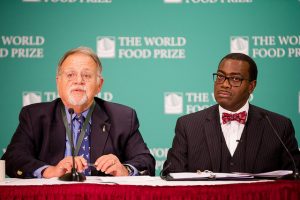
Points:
(31, 1)
(31, 97)
(106, 47)
(173, 102)
(173, 1)
(239, 44)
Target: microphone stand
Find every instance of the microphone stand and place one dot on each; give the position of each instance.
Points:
(295, 175)
(73, 175)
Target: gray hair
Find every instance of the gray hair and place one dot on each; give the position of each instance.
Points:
(84, 50)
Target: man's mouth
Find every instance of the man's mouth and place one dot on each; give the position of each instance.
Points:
(223, 93)
(77, 90)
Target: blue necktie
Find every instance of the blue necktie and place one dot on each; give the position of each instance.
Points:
(84, 150)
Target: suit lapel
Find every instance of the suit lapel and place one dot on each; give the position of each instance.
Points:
(57, 137)
(213, 132)
(254, 128)
(99, 132)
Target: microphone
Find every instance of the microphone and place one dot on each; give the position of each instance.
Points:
(162, 173)
(295, 175)
(73, 175)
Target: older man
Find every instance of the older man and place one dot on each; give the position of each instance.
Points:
(105, 134)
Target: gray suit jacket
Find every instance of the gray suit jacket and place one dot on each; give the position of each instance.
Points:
(197, 142)
(40, 138)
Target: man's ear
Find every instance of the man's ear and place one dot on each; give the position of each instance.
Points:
(252, 86)
(101, 81)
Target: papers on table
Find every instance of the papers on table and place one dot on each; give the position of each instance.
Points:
(273, 174)
(207, 175)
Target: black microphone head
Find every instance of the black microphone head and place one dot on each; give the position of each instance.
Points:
(71, 111)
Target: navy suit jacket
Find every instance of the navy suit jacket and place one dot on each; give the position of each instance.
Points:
(197, 142)
(40, 138)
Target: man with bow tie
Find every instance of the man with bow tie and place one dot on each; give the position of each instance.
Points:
(233, 136)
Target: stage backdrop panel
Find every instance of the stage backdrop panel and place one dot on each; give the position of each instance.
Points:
(158, 55)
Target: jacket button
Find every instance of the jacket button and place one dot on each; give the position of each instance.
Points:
(19, 173)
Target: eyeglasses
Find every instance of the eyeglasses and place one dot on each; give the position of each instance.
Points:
(234, 81)
(85, 76)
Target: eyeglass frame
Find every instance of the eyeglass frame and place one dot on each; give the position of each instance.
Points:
(82, 74)
(229, 78)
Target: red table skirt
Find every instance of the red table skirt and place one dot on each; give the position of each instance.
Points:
(278, 190)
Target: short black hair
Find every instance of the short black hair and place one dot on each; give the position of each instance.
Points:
(240, 56)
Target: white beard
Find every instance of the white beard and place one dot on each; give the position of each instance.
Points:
(71, 98)
(82, 101)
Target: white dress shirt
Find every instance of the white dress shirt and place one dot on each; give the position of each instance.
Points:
(232, 130)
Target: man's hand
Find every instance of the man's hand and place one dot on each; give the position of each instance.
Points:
(65, 166)
(110, 164)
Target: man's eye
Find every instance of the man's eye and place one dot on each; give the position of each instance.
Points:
(236, 79)
(87, 76)
(70, 75)
(220, 77)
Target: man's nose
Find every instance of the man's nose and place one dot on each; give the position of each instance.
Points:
(79, 78)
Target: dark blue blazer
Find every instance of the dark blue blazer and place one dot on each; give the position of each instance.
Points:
(40, 138)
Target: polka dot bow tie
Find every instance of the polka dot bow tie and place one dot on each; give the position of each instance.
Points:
(239, 117)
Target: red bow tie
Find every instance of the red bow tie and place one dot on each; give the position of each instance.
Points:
(240, 117)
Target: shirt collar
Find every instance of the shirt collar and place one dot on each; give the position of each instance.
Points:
(84, 113)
